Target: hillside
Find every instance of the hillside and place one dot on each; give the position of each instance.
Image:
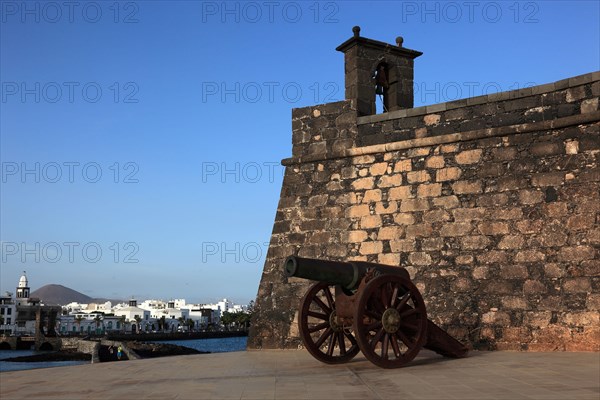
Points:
(59, 294)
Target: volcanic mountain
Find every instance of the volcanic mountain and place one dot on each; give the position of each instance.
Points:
(59, 294)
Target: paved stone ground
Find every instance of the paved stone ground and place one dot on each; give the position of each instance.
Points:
(290, 374)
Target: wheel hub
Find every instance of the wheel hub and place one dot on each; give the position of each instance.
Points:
(333, 322)
(391, 320)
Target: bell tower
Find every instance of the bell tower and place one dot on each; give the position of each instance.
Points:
(23, 287)
(377, 68)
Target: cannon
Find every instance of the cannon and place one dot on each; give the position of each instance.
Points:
(361, 306)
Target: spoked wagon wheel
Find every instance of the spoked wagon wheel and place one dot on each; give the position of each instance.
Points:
(390, 321)
(320, 331)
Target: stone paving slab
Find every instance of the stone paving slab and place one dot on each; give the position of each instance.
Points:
(290, 374)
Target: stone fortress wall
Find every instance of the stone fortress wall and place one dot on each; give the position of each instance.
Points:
(492, 204)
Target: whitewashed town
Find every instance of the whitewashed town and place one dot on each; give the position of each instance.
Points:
(150, 315)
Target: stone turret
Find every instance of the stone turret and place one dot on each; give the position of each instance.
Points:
(363, 58)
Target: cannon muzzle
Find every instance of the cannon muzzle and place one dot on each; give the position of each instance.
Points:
(346, 274)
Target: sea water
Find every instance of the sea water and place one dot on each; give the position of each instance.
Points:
(18, 366)
(219, 345)
(216, 345)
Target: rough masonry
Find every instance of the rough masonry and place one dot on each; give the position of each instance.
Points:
(492, 203)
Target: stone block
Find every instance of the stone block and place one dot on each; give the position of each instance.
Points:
(409, 205)
(420, 133)
(529, 197)
(419, 230)
(363, 183)
(474, 242)
(585, 318)
(529, 256)
(404, 219)
(354, 236)
(504, 153)
(336, 250)
(419, 152)
(537, 319)
(514, 271)
(456, 229)
(389, 259)
(581, 222)
(467, 187)
(481, 272)
(431, 119)
(403, 166)
(419, 258)
(509, 213)
(437, 215)
(577, 285)
(492, 228)
(418, 176)
(448, 174)
(464, 259)
(400, 193)
(436, 162)
(318, 200)
(576, 253)
(511, 242)
(514, 302)
(554, 270)
(390, 181)
(390, 233)
(429, 190)
(432, 244)
(365, 159)
(492, 200)
(556, 210)
(548, 179)
(575, 94)
(532, 286)
(371, 196)
(469, 156)
(378, 168)
(358, 211)
(529, 226)
(492, 257)
(405, 245)
(370, 221)
(367, 248)
(468, 214)
(589, 106)
(545, 149)
(449, 148)
(446, 202)
(593, 301)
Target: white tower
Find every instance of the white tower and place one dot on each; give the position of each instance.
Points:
(23, 288)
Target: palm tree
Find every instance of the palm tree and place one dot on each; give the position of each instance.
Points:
(97, 320)
(122, 321)
(78, 320)
(138, 319)
(162, 323)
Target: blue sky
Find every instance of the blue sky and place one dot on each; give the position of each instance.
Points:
(140, 141)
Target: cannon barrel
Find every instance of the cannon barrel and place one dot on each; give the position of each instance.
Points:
(346, 274)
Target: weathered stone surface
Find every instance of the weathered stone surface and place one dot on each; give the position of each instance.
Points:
(493, 208)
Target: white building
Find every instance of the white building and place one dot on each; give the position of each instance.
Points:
(25, 318)
(8, 312)
(131, 312)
